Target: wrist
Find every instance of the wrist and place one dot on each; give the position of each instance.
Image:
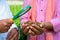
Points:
(48, 26)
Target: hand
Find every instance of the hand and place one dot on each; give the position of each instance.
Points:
(5, 25)
(35, 30)
(25, 27)
(32, 28)
(13, 35)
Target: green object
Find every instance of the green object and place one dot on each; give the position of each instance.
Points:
(22, 12)
(14, 9)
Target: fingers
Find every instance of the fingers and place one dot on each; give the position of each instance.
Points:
(12, 35)
(36, 26)
(6, 23)
(15, 37)
(35, 30)
(6, 29)
(30, 32)
(32, 28)
(26, 30)
(24, 26)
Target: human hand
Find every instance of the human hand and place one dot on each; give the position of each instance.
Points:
(35, 29)
(32, 28)
(5, 25)
(25, 27)
(13, 34)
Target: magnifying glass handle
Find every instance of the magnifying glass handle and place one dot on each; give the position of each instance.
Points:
(21, 12)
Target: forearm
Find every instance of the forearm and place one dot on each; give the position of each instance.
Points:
(48, 26)
(53, 25)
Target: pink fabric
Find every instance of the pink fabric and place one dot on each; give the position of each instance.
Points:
(49, 16)
(40, 16)
(32, 16)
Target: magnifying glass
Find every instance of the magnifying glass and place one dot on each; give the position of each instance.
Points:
(21, 12)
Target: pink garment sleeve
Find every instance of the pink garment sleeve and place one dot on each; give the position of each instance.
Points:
(25, 17)
(56, 20)
(56, 24)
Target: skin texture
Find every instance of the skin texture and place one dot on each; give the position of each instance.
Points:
(34, 28)
(31, 28)
(48, 26)
(13, 35)
(5, 24)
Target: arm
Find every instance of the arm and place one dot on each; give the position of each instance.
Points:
(9, 15)
(55, 23)
(5, 12)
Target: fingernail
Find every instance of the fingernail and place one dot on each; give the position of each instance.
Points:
(31, 27)
(29, 31)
